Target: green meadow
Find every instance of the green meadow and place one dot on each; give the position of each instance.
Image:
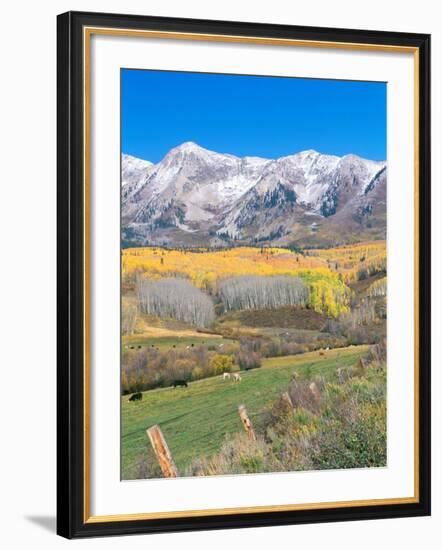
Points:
(196, 419)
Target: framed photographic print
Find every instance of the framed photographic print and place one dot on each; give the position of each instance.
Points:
(243, 274)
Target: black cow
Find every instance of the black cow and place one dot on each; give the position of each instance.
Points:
(176, 383)
(136, 396)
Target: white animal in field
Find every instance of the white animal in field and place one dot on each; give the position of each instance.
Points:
(236, 377)
(226, 375)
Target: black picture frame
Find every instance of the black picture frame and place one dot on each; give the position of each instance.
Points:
(71, 518)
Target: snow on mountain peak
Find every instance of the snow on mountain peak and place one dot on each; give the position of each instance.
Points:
(191, 148)
(133, 169)
(187, 146)
(129, 161)
(193, 188)
(307, 153)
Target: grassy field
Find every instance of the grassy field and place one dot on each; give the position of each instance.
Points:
(176, 341)
(196, 419)
(167, 334)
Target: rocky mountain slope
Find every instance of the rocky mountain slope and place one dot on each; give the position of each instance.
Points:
(196, 197)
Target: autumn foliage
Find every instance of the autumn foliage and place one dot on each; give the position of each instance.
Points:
(207, 269)
(354, 262)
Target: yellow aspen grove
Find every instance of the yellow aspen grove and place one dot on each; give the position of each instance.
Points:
(321, 271)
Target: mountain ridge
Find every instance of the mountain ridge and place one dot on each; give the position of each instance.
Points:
(198, 197)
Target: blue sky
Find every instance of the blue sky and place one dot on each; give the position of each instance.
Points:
(250, 115)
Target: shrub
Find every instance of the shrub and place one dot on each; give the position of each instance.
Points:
(238, 455)
(304, 395)
(146, 466)
(249, 360)
(150, 368)
(249, 355)
(182, 368)
(197, 373)
(221, 363)
(356, 439)
(378, 352)
(364, 324)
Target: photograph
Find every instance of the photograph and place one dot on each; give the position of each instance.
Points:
(253, 274)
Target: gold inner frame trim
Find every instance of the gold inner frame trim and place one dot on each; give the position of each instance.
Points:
(87, 34)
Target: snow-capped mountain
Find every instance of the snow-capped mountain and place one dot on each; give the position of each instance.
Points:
(132, 169)
(197, 197)
(134, 172)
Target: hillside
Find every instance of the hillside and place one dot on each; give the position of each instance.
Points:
(325, 272)
(182, 412)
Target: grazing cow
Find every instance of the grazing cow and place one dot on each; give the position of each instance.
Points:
(176, 383)
(136, 396)
(226, 375)
(236, 377)
(321, 353)
(139, 347)
(132, 347)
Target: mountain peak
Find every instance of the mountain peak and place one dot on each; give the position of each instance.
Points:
(188, 146)
(351, 157)
(194, 195)
(191, 151)
(308, 152)
(136, 160)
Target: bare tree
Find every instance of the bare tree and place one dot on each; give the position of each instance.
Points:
(258, 292)
(129, 314)
(177, 298)
(378, 288)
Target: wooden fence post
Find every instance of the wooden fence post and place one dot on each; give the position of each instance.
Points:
(246, 422)
(162, 452)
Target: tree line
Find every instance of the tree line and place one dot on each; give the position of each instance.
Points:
(256, 292)
(177, 298)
